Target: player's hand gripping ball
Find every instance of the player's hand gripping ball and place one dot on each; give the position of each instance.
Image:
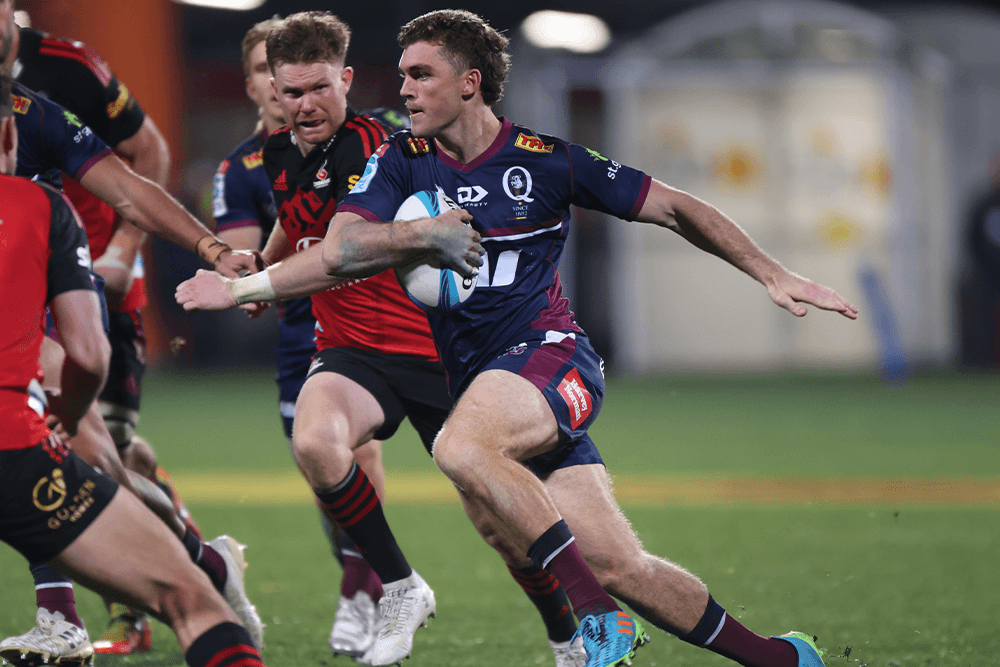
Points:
(427, 284)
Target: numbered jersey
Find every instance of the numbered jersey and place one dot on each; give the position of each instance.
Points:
(43, 253)
(519, 192)
(369, 314)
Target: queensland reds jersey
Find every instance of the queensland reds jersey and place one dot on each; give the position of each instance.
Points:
(43, 253)
(372, 313)
(74, 76)
(518, 192)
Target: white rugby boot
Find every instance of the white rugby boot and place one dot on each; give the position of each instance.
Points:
(569, 653)
(355, 625)
(234, 590)
(52, 640)
(406, 605)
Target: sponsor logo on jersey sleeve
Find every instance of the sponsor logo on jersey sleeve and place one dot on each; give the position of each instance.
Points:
(72, 118)
(597, 156)
(533, 144)
(254, 160)
(21, 104)
(418, 146)
(352, 180)
(121, 102)
(577, 398)
(517, 184)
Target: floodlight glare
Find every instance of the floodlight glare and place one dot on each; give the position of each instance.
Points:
(582, 33)
(239, 5)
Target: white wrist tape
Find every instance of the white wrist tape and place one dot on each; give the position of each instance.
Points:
(253, 288)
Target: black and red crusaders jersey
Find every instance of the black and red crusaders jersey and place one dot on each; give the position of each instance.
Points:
(367, 313)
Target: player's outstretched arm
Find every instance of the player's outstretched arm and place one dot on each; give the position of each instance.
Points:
(300, 275)
(709, 229)
(354, 247)
(148, 206)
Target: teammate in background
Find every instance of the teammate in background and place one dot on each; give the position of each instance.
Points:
(528, 383)
(54, 140)
(368, 378)
(244, 212)
(111, 541)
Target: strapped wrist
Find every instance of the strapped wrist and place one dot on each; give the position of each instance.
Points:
(252, 288)
(211, 251)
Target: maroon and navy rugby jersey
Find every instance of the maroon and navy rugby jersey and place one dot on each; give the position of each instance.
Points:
(519, 192)
(43, 253)
(370, 313)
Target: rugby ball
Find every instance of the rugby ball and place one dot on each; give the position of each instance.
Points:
(425, 282)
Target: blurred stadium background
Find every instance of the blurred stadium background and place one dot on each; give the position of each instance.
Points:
(849, 139)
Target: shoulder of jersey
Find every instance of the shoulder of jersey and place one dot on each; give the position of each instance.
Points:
(250, 153)
(75, 51)
(409, 145)
(372, 133)
(534, 142)
(279, 139)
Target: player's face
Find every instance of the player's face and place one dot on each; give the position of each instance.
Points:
(432, 89)
(259, 83)
(313, 99)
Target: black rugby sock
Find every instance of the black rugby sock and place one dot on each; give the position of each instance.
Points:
(225, 645)
(355, 506)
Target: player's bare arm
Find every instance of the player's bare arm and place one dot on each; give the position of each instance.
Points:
(77, 315)
(709, 229)
(241, 238)
(148, 153)
(354, 247)
(148, 206)
(298, 276)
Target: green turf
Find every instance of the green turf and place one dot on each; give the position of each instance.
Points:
(899, 587)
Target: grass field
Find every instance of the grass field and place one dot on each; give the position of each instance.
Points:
(865, 514)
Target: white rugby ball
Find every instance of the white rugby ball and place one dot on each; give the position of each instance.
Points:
(425, 282)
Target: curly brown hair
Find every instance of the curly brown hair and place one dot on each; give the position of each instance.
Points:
(308, 37)
(469, 43)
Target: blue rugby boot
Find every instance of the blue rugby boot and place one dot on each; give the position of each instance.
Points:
(610, 639)
(809, 654)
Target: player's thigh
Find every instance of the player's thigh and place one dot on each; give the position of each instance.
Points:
(501, 412)
(128, 554)
(334, 409)
(583, 496)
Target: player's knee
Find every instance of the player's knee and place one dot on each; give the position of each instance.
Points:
(316, 443)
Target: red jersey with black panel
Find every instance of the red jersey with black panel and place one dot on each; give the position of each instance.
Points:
(43, 253)
(370, 313)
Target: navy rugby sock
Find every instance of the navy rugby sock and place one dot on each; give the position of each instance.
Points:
(721, 633)
(355, 506)
(225, 645)
(556, 551)
(548, 595)
(54, 593)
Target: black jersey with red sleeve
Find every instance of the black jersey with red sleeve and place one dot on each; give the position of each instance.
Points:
(43, 253)
(370, 313)
(74, 76)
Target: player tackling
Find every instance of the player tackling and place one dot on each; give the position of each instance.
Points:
(528, 383)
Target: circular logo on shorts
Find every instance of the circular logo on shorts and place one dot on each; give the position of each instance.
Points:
(49, 494)
(517, 184)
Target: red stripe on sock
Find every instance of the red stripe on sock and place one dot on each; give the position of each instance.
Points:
(230, 652)
(349, 496)
(362, 513)
(347, 512)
